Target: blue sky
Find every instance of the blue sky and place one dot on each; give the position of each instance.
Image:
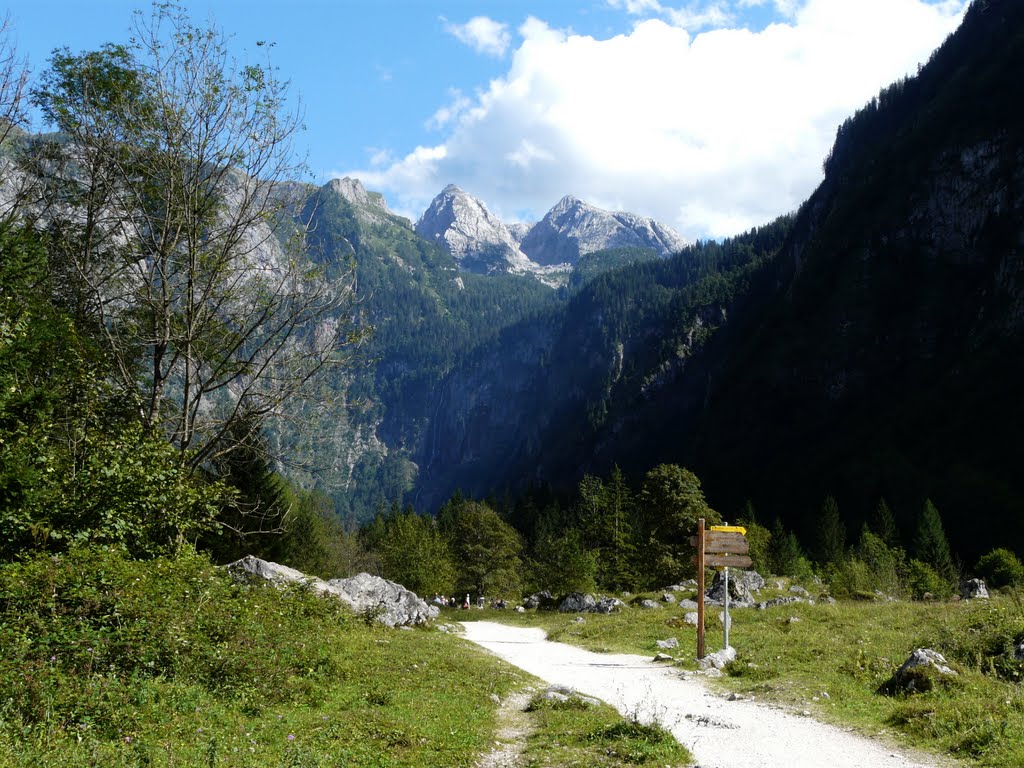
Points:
(710, 115)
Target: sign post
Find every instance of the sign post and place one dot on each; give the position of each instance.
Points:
(725, 623)
(722, 546)
(700, 588)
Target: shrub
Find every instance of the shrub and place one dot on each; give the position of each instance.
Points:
(924, 580)
(1000, 568)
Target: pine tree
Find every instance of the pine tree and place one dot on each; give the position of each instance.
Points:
(930, 543)
(884, 525)
(671, 501)
(831, 533)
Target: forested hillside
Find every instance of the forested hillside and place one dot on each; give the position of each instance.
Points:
(882, 357)
(866, 348)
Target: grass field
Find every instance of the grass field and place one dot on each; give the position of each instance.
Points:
(109, 662)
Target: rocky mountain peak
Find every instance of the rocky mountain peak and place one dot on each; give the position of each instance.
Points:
(475, 237)
(480, 242)
(573, 228)
(369, 206)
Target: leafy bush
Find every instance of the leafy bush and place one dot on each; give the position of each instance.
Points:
(872, 567)
(924, 580)
(1000, 568)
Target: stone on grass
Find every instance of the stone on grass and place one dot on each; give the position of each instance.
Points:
(796, 589)
(776, 601)
(741, 586)
(974, 589)
(577, 602)
(541, 599)
(608, 605)
(919, 673)
(671, 642)
(668, 597)
(718, 659)
(663, 657)
(563, 693)
(389, 603)
(691, 618)
(650, 605)
(688, 605)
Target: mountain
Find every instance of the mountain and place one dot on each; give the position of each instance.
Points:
(369, 207)
(482, 243)
(882, 350)
(871, 346)
(476, 238)
(574, 228)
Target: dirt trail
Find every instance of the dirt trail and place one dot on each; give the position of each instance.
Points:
(720, 733)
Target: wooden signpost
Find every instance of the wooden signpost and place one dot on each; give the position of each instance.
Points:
(723, 546)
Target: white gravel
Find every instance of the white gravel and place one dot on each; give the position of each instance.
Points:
(720, 733)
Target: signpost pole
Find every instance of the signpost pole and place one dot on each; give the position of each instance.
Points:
(700, 588)
(726, 616)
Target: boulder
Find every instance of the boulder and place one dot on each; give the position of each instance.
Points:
(775, 601)
(741, 585)
(668, 597)
(691, 618)
(390, 603)
(974, 589)
(688, 605)
(542, 599)
(919, 673)
(563, 693)
(609, 605)
(577, 602)
(718, 659)
(796, 589)
(253, 570)
(671, 642)
(650, 605)
(685, 586)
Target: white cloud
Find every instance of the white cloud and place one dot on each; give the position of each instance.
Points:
(693, 17)
(459, 103)
(711, 133)
(483, 35)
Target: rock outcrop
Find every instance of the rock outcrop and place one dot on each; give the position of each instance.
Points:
(475, 237)
(480, 242)
(389, 603)
(574, 228)
(369, 206)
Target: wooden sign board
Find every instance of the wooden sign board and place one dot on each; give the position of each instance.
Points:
(723, 542)
(725, 561)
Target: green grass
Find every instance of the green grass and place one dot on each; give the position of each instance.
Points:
(835, 657)
(571, 734)
(105, 661)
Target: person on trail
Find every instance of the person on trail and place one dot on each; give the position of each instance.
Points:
(465, 603)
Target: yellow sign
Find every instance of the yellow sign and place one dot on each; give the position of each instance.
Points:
(729, 528)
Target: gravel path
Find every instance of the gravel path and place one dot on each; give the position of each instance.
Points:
(720, 733)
